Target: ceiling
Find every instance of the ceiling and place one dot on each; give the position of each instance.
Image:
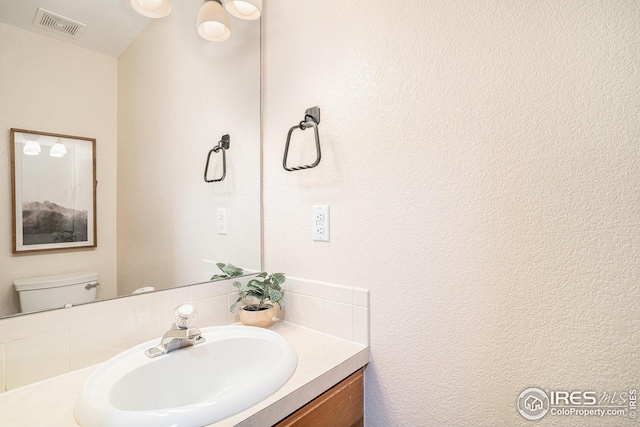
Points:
(111, 24)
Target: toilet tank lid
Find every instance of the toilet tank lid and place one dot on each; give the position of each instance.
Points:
(55, 281)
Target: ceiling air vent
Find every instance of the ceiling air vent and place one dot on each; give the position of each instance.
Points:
(58, 23)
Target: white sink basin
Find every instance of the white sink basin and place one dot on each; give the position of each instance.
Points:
(237, 367)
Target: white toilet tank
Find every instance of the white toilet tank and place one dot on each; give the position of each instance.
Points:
(42, 293)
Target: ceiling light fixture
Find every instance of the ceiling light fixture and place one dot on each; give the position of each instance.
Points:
(213, 22)
(244, 9)
(152, 8)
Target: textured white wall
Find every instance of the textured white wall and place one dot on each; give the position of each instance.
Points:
(51, 86)
(178, 94)
(482, 166)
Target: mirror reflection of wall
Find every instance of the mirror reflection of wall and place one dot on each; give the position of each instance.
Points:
(155, 110)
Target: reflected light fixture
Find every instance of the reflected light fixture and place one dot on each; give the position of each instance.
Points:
(244, 9)
(58, 149)
(213, 22)
(152, 8)
(31, 148)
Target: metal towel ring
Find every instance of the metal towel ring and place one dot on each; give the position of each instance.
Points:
(311, 119)
(223, 145)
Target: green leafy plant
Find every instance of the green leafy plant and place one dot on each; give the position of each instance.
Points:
(229, 271)
(263, 291)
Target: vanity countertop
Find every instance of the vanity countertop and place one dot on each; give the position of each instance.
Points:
(323, 361)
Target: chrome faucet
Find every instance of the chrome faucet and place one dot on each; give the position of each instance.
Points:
(181, 334)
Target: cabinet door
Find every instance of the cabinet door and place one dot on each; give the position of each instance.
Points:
(340, 406)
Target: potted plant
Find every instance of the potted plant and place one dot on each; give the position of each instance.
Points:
(229, 271)
(258, 297)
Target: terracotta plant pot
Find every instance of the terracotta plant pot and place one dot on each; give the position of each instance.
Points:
(260, 318)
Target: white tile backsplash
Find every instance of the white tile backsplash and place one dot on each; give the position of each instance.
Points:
(107, 310)
(43, 345)
(304, 310)
(298, 286)
(338, 319)
(361, 297)
(361, 325)
(141, 327)
(33, 359)
(94, 343)
(18, 327)
(337, 293)
(213, 311)
(338, 310)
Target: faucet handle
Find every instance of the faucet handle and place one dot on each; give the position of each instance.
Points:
(183, 315)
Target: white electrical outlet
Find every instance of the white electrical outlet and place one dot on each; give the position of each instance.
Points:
(222, 221)
(321, 223)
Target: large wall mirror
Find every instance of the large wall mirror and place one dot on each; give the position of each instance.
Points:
(156, 97)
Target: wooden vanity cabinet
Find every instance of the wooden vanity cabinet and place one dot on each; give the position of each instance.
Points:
(340, 406)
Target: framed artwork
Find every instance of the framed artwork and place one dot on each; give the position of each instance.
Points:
(54, 191)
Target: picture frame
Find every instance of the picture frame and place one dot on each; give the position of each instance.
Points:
(53, 185)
